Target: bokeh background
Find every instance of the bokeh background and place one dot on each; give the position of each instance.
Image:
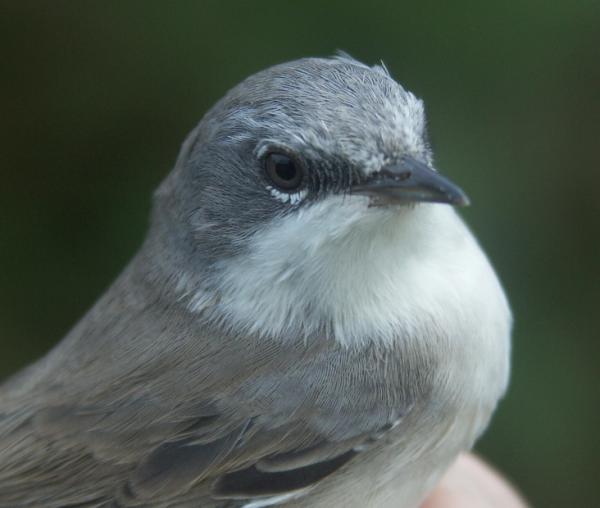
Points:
(96, 97)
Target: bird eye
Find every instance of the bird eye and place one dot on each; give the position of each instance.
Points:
(283, 171)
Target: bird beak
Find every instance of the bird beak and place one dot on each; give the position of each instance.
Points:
(410, 181)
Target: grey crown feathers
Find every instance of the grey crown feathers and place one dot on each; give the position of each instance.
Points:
(304, 325)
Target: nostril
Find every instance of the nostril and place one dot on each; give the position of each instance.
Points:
(405, 175)
(398, 176)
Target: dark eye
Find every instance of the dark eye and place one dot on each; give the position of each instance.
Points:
(283, 171)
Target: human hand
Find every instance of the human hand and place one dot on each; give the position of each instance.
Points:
(470, 483)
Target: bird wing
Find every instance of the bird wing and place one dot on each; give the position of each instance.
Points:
(209, 423)
(84, 455)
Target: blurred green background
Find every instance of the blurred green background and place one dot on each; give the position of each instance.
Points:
(96, 97)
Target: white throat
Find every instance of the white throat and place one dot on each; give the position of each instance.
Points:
(360, 274)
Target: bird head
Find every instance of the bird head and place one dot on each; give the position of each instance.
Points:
(304, 178)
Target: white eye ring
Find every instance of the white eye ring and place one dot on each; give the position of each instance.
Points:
(286, 197)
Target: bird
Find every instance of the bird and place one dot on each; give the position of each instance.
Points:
(308, 322)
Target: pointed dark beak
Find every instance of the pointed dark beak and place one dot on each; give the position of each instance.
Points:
(410, 180)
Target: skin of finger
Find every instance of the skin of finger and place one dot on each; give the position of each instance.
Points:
(470, 483)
